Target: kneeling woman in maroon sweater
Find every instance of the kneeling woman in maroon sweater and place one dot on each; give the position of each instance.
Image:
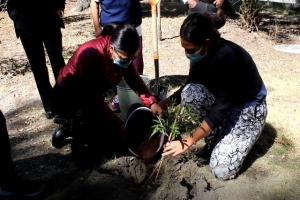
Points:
(95, 67)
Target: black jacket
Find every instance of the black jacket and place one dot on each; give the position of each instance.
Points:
(35, 14)
(230, 74)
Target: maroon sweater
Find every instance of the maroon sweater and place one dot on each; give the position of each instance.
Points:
(91, 71)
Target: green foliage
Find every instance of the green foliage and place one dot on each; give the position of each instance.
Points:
(251, 14)
(176, 120)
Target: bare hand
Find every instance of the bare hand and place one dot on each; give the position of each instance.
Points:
(164, 103)
(156, 110)
(218, 3)
(60, 13)
(175, 148)
(98, 32)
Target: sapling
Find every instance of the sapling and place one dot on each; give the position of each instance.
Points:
(178, 119)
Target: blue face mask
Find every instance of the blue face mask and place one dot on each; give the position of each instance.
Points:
(195, 57)
(121, 64)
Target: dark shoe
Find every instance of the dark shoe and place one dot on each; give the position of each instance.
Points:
(49, 115)
(59, 135)
(61, 120)
(21, 186)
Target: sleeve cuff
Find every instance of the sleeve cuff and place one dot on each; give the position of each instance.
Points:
(210, 124)
(148, 100)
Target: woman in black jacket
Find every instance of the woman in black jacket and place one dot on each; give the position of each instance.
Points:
(224, 87)
(38, 24)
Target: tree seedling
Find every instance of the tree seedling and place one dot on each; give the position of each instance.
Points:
(178, 119)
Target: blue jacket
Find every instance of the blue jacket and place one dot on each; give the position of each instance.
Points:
(122, 11)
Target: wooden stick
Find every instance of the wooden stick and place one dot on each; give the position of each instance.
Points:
(170, 136)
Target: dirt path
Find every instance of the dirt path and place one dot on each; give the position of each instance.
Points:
(270, 171)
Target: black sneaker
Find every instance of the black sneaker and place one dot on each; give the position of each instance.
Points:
(59, 135)
(49, 114)
(21, 186)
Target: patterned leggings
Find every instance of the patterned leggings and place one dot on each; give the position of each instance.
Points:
(237, 135)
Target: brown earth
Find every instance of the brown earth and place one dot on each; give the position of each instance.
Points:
(270, 171)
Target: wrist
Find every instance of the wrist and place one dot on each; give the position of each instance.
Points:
(152, 104)
(189, 141)
(199, 133)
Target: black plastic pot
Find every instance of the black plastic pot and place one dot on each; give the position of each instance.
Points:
(138, 125)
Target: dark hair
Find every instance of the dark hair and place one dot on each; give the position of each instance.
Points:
(196, 28)
(124, 37)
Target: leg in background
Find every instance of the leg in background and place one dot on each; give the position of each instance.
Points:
(34, 49)
(53, 44)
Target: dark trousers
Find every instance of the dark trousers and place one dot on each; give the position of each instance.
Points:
(7, 170)
(91, 121)
(96, 128)
(33, 43)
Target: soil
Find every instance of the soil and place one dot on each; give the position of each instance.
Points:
(149, 147)
(271, 171)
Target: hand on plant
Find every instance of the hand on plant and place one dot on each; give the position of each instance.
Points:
(175, 148)
(156, 110)
(218, 3)
(165, 103)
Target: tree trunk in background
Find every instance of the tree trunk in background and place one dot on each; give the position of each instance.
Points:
(82, 5)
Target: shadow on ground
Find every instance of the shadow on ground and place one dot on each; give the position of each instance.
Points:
(76, 18)
(261, 147)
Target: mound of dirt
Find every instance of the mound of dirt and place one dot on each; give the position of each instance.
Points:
(124, 178)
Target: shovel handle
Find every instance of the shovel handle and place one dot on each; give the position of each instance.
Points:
(154, 30)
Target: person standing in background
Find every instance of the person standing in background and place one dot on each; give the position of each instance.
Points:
(211, 6)
(40, 27)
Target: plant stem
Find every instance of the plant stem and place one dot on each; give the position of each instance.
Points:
(154, 171)
(169, 139)
(161, 161)
(175, 120)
